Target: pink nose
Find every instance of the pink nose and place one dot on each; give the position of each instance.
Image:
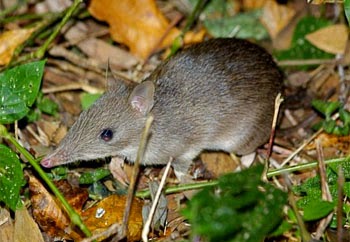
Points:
(46, 162)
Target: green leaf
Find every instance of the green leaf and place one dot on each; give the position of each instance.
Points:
(18, 90)
(300, 48)
(58, 173)
(46, 105)
(347, 10)
(341, 131)
(325, 107)
(93, 176)
(317, 209)
(329, 125)
(255, 206)
(33, 115)
(345, 166)
(88, 99)
(344, 116)
(11, 177)
(244, 25)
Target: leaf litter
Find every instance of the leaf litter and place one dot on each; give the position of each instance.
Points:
(129, 45)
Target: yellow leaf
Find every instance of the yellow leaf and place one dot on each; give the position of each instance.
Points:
(111, 211)
(136, 23)
(331, 39)
(9, 41)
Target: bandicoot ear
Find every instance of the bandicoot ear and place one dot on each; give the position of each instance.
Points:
(142, 97)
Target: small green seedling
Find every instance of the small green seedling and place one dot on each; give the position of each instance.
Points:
(327, 109)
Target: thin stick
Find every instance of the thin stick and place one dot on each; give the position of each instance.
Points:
(326, 195)
(278, 102)
(341, 181)
(135, 173)
(291, 156)
(147, 225)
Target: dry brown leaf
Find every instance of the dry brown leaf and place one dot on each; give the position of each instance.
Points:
(75, 196)
(112, 210)
(136, 23)
(276, 17)
(53, 130)
(24, 226)
(331, 39)
(99, 50)
(6, 225)
(48, 213)
(10, 40)
(218, 163)
(341, 143)
(253, 4)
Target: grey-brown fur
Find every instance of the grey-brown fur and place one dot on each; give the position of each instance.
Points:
(216, 95)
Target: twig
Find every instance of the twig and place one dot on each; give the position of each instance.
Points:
(341, 181)
(325, 190)
(88, 63)
(278, 102)
(147, 225)
(305, 236)
(114, 228)
(72, 86)
(301, 147)
(306, 62)
(135, 173)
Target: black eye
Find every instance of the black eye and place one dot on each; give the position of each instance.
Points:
(106, 135)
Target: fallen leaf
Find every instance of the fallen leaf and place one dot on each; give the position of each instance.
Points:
(48, 213)
(136, 23)
(218, 163)
(331, 39)
(340, 143)
(53, 131)
(276, 17)
(6, 225)
(75, 196)
(10, 40)
(253, 4)
(100, 50)
(161, 213)
(110, 210)
(24, 226)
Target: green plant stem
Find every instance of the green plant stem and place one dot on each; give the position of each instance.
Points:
(75, 218)
(23, 17)
(194, 15)
(12, 9)
(40, 52)
(183, 187)
(300, 167)
(271, 173)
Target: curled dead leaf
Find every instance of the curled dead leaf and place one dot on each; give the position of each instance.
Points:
(48, 213)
